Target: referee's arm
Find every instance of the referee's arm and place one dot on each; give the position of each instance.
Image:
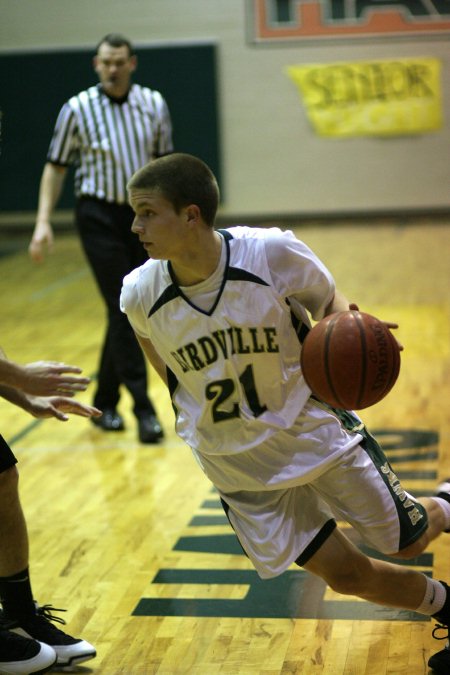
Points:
(52, 182)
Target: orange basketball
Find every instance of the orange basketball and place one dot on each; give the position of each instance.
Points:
(350, 360)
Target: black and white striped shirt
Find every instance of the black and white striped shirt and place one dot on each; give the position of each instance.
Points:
(109, 140)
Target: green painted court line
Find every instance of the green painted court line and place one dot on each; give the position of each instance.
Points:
(61, 283)
(25, 431)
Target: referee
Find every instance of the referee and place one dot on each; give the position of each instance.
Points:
(108, 132)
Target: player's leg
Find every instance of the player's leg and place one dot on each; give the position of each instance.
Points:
(17, 653)
(440, 662)
(350, 572)
(365, 492)
(13, 533)
(20, 613)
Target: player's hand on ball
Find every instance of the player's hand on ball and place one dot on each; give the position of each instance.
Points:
(388, 324)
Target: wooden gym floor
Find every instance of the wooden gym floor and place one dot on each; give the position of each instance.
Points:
(131, 539)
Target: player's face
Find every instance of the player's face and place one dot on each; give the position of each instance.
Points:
(114, 66)
(160, 229)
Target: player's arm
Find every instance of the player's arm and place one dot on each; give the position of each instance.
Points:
(52, 182)
(42, 378)
(17, 382)
(14, 396)
(153, 357)
(8, 374)
(299, 274)
(58, 407)
(339, 303)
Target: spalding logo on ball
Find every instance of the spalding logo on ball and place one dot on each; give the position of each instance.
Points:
(350, 360)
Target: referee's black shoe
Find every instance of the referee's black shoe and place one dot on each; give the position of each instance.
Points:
(440, 662)
(150, 429)
(109, 421)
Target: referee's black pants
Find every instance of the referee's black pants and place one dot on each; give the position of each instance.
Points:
(113, 251)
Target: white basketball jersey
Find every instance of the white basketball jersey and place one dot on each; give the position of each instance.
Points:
(233, 370)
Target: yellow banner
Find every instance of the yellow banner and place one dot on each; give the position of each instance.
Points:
(372, 98)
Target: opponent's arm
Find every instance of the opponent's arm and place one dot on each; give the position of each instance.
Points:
(42, 378)
(48, 406)
(19, 383)
(58, 407)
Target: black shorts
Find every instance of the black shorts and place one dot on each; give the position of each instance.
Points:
(7, 459)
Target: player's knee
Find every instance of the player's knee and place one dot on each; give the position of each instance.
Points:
(413, 550)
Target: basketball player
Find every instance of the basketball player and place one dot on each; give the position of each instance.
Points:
(29, 642)
(220, 314)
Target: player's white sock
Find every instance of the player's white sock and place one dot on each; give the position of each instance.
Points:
(445, 506)
(434, 597)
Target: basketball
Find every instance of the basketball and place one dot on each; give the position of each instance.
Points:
(350, 360)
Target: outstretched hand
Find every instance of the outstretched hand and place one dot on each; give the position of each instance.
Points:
(49, 378)
(58, 406)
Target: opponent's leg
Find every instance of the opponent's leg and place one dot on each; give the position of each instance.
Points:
(20, 613)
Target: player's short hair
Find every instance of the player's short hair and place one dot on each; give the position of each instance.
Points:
(116, 40)
(182, 180)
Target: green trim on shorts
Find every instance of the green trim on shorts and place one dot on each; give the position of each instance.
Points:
(7, 458)
(412, 516)
(316, 543)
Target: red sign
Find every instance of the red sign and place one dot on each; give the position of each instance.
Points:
(291, 20)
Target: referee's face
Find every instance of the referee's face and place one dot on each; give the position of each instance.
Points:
(114, 66)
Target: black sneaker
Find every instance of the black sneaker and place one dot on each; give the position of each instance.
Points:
(440, 662)
(69, 650)
(23, 656)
